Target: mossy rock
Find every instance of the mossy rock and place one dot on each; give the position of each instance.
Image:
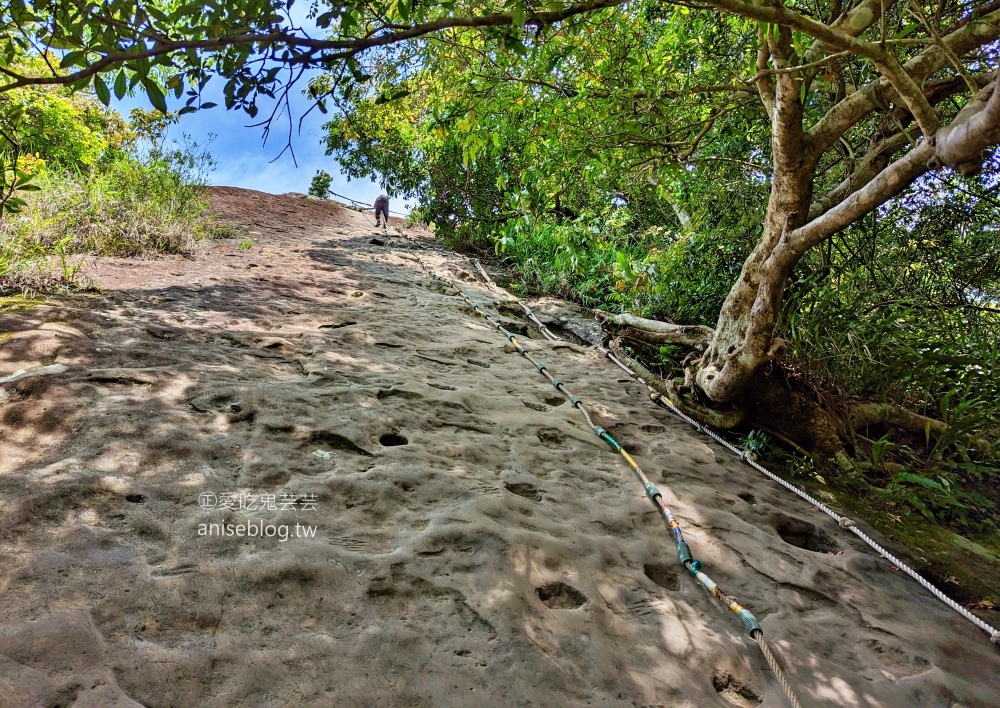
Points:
(19, 303)
(965, 569)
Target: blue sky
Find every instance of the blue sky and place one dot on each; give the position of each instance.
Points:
(244, 160)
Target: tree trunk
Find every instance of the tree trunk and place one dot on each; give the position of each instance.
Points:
(744, 335)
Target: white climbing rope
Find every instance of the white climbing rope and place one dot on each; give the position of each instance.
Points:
(692, 565)
(776, 670)
(842, 521)
(546, 332)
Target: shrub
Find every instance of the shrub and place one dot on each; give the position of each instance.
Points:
(320, 186)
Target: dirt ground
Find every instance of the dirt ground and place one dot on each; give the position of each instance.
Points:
(473, 543)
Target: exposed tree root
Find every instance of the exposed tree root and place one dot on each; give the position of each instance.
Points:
(641, 335)
(769, 402)
(617, 348)
(656, 332)
(786, 441)
(773, 402)
(867, 414)
(721, 419)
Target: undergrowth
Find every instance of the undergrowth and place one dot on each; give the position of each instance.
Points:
(142, 199)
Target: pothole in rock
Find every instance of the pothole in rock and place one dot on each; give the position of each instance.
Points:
(568, 335)
(805, 535)
(135, 498)
(662, 575)
(748, 498)
(523, 489)
(551, 438)
(397, 393)
(560, 596)
(392, 440)
(734, 692)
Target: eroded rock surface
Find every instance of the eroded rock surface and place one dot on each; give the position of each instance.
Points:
(474, 543)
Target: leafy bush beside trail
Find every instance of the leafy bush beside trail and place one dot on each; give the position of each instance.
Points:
(95, 184)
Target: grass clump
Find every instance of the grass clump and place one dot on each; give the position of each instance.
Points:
(129, 209)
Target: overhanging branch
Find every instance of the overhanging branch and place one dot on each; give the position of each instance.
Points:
(960, 145)
(315, 51)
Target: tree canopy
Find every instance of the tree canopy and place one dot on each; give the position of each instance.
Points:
(836, 108)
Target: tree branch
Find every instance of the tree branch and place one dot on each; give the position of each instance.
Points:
(765, 84)
(841, 117)
(318, 51)
(876, 160)
(887, 184)
(912, 95)
(777, 14)
(977, 126)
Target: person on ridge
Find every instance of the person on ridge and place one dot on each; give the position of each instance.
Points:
(382, 208)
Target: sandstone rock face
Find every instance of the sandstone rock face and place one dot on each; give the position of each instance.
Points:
(473, 543)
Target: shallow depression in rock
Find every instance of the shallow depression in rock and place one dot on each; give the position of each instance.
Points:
(560, 596)
(805, 535)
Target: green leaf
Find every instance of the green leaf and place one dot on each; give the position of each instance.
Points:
(73, 58)
(121, 85)
(156, 96)
(101, 89)
(13, 205)
(921, 507)
(917, 479)
(519, 15)
(56, 42)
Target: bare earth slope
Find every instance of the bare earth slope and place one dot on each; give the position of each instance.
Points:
(475, 544)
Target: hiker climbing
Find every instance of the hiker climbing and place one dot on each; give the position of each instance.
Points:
(382, 208)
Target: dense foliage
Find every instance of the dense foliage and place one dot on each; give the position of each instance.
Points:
(623, 163)
(99, 184)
